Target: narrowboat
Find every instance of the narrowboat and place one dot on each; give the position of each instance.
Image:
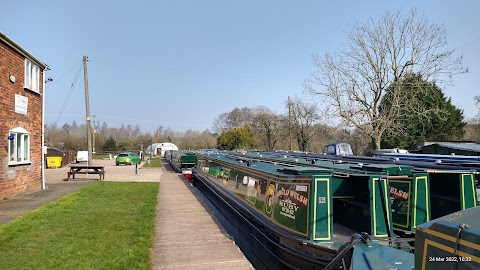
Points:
(285, 216)
(424, 192)
(168, 155)
(183, 162)
(449, 242)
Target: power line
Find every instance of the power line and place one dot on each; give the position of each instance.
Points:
(56, 80)
(469, 43)
(67, 99)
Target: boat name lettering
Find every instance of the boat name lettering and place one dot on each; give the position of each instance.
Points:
(399, 193)
(288, 208)
(294, 195)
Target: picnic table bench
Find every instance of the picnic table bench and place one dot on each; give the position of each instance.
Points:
(86, 169)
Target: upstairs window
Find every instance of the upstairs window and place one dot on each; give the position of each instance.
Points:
(32, 76)
(18, 146)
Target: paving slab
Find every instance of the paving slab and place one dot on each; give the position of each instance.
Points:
(187, 235)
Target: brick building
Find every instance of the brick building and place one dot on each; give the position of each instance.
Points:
(21, 125)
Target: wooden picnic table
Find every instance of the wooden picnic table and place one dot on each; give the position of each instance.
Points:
(86, 169)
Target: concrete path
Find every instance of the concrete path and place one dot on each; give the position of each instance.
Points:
(187, 236)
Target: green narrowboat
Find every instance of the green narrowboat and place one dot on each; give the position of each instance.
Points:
(183, 162)
(449, 242)
(418, 194)
(168, 155)
(301, 217)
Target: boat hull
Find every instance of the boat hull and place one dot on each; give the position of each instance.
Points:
(265, 246)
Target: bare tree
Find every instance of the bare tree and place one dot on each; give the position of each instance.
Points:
(220, 123)
(266, 125)
(477, 102)
(378, 53)
(263, 122)
(472, 130)
(236, 118)
(303, 117)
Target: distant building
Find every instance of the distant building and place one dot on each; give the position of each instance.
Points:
(464, 148)
(21, 113)
(158, 149)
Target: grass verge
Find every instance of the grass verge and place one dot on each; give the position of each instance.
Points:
(154, 163)
(104, 225)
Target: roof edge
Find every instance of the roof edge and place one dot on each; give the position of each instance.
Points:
(22, 51)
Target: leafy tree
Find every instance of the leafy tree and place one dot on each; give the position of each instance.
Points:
(352, 81)
(227, 140)
(235, 139)
(124, 145)
(109, 145)
(245, 137)
(440, 119)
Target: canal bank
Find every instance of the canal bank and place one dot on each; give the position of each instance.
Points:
(187, 235)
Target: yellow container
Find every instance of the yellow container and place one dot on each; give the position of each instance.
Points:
(54, 162)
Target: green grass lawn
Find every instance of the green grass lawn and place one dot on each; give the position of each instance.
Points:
(104, 225)
(155, 162)
(101, 156)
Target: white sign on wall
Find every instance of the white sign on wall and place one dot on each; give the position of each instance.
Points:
(21, 104)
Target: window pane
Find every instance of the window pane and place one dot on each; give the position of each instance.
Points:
(12, 149)
(27, 73)
(37, 78)
(34, 76)
(26, 147)
(19, 147)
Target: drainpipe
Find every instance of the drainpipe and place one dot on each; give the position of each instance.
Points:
(43, 130)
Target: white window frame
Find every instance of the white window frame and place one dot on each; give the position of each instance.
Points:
(32, 76)
(19, 147)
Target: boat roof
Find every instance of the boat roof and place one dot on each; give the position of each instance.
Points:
(337, 165)
(291, 166)
(470, 146)
(274, 168)
(470, 216)
(392, 163)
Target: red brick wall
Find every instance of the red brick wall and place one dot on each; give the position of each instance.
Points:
(18, 179)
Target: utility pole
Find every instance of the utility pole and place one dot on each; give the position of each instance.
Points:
(87, 107)
(289, 126)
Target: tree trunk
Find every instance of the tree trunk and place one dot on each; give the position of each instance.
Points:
(377, 142)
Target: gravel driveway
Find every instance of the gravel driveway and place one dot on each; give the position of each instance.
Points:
(120, 173)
